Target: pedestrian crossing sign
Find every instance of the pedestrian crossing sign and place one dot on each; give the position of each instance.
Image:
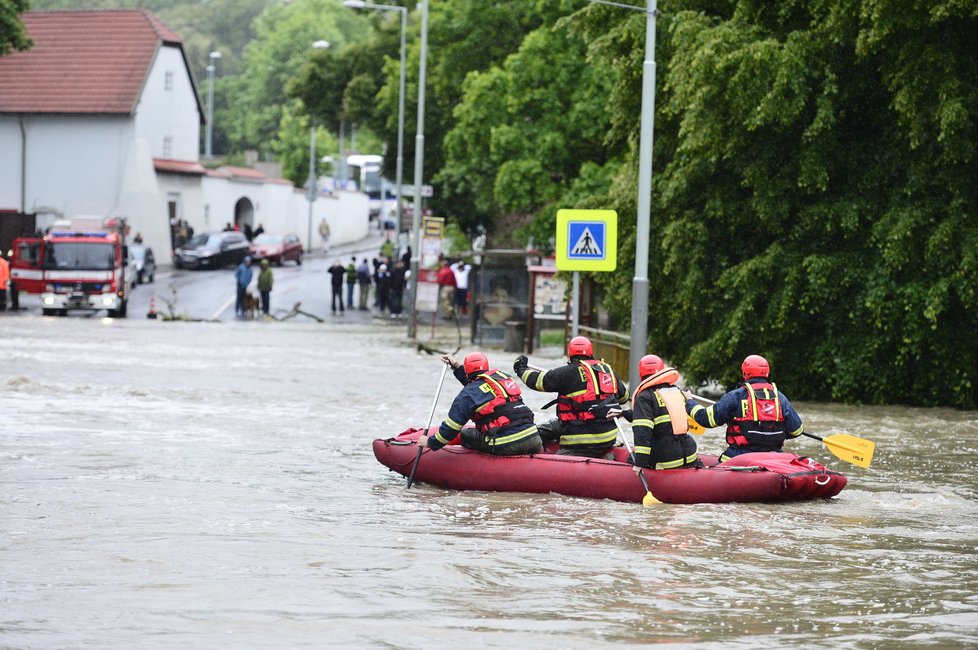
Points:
(587, 240)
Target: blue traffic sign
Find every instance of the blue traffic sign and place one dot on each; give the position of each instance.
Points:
(586, 240)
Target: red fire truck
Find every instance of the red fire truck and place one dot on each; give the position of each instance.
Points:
(82, 264)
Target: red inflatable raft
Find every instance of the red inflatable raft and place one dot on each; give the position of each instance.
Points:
(748, 477)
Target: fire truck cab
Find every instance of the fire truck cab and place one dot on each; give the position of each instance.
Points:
(83, 264)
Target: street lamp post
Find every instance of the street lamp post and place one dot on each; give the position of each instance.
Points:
(213, 57)
(311, 183)
(360, 4)
(311, 189)
(418, 178)
(640, 282)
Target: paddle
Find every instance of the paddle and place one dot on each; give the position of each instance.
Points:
(851, 449)
(431, 415)
(648, 499)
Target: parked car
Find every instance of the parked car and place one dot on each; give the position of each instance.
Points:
(145, 262)
(213, 250)
(277, 248)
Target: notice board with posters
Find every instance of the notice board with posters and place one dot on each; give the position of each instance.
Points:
(549, 296)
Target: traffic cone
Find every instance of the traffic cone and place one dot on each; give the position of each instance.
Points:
(152, 307)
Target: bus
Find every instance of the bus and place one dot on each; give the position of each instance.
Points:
(366, 169)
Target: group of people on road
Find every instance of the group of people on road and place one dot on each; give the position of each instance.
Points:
(388, 278)
(590, 396)
(243, 275)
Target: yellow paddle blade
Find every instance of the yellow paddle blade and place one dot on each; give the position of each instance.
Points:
(857, 451)
(649, 500)
(695, 427)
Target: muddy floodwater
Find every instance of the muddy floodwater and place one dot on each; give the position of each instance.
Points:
(202, 485)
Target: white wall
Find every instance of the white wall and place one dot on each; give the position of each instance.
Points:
(281, 207)
(10, 173)
(73, 164)
(169, 113)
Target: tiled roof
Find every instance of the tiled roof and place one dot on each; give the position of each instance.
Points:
(191, 167)
(82, 61)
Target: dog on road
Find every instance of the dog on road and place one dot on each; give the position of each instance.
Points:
(250, 305)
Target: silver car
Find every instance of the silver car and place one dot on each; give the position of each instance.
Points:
(145, 262)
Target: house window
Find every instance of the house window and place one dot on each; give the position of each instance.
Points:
(168, 80)
(167, 146)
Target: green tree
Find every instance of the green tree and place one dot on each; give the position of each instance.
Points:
(285, 34)
(12, 33)
(819, 207)
(522, 129)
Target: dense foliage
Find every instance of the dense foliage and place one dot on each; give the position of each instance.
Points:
(12, 33)
(819, 205)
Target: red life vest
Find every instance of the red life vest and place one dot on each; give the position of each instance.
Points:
(761, 425)
(600, 386)
(506, 405)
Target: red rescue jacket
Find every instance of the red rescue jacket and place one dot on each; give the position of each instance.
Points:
(600, 386)
(501, 410)
(761, 425)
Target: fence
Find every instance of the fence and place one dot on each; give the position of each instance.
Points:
(610, 346)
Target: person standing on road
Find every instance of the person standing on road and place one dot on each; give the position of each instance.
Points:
(242, 278)
(351, 280)
(398, 282)
(265, 281)
(336, 273)
(363, 279)
(4, 276)
(461, 271)
(324, 234)
(383, 288)
(446, 288)
(387, 249)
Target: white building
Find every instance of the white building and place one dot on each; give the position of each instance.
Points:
(102, 117)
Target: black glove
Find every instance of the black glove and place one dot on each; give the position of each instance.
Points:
(520, 365)
(604, 411)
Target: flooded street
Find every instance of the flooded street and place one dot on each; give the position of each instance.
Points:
(203, 485)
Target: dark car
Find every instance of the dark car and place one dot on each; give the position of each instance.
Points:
(213, 250)
(145, 262)
(277, 248)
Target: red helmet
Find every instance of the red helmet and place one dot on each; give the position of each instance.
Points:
(579, 346)
(755, 366)
(649, 365)
(475, 362)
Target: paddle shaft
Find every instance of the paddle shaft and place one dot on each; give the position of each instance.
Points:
(431, 415)
(650, 498)
(621, 432)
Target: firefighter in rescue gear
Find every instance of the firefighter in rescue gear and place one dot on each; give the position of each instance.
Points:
(492, 400)
(757, 415)
(582, 384)
(659, 421)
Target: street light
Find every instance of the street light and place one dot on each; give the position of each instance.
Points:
(213, 57)
(640, 283)
(311, 190)
(360, 4)
(418, 177)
